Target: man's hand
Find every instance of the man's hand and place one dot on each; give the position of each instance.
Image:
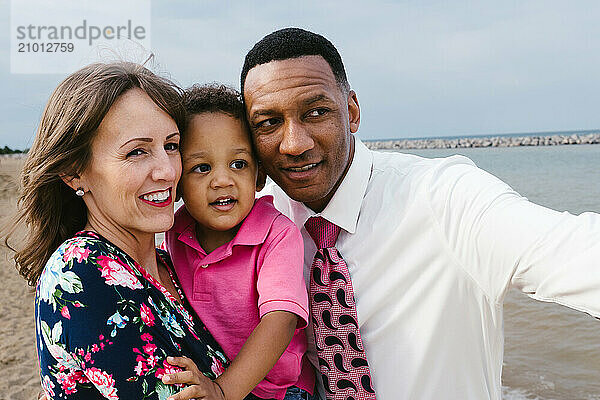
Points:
(200, 387)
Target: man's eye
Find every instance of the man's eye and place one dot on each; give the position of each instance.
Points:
(136, 152)
(203, 168)
(238, 164)
(317, 112)
(267, 123)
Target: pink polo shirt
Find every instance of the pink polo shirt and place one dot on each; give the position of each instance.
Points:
(231, 288)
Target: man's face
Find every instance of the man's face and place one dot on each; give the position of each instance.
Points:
(301, 123)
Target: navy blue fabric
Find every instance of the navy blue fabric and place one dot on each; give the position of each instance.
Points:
(104, 327)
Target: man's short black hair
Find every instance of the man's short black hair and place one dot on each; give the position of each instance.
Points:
(293, 43)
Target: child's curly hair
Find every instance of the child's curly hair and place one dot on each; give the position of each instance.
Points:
(214, 97)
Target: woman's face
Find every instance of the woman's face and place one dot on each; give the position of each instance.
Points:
(135, 165)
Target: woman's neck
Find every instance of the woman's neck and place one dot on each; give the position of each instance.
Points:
(139, 245)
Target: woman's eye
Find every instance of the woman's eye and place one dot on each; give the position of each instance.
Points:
(136, 152)
(238, 164)
(203, 168)
(172, 146)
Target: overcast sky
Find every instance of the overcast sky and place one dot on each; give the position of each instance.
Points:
(420, 68)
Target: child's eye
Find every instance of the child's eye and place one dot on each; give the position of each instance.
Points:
(136, 152)
(238, 164)
(202, 168)
(172, 146)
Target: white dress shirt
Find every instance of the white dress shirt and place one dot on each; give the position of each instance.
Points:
(432, 246)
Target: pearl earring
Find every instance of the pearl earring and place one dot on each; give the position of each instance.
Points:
(80, 192)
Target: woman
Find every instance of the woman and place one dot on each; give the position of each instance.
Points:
(98, 183)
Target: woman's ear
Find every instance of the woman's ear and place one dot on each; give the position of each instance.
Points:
(261, 177)
(71, 180)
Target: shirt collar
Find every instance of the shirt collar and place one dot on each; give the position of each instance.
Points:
(344, 207)
(253, 231)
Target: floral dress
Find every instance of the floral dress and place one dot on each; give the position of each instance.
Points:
(104, 326)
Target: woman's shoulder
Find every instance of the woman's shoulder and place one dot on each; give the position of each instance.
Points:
(80, 261)
(83, 249)
(82, 241)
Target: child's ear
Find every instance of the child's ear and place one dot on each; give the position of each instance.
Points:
(261, 177)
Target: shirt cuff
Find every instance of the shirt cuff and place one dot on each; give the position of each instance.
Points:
(285, 305)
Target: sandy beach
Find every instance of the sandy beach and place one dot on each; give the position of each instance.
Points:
(18, 371)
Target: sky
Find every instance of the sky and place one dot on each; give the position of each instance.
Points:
(423, 68)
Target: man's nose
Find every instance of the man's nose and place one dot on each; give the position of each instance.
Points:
(296, 139)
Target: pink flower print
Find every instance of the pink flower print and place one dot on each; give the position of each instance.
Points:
(146, 314)
(149, 348)
(48, 387)
(61, 377)
(87, 357)
(79, 377)
(103, 381)
(167, 369)
(117, 274)
(95, 348)
(101, 337)
(140, 368)
(65, 312)
(217, 366)
(74, 251)
(69, 387)
(146, 337)
(152, 361)
(66, 382)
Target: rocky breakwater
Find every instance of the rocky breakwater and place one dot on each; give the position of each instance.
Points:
(496, 141)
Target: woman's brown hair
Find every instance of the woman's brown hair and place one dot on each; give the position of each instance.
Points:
(62, 148)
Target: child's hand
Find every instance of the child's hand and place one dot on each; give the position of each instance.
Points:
(200, 387)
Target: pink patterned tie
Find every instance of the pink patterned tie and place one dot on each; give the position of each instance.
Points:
(342, 358)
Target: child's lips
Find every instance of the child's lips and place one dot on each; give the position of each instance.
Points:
(223, 203)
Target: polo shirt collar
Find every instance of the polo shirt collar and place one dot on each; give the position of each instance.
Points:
(344, 207)
(253, 231)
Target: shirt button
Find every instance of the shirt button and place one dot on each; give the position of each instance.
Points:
(205, 266)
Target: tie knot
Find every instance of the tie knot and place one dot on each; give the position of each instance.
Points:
(323, 232)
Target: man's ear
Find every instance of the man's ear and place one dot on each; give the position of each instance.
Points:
(353, 111)
(261, 177)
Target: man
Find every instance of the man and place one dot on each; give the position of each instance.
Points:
(431, 246)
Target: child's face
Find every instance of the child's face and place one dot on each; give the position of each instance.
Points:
(219, 172)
